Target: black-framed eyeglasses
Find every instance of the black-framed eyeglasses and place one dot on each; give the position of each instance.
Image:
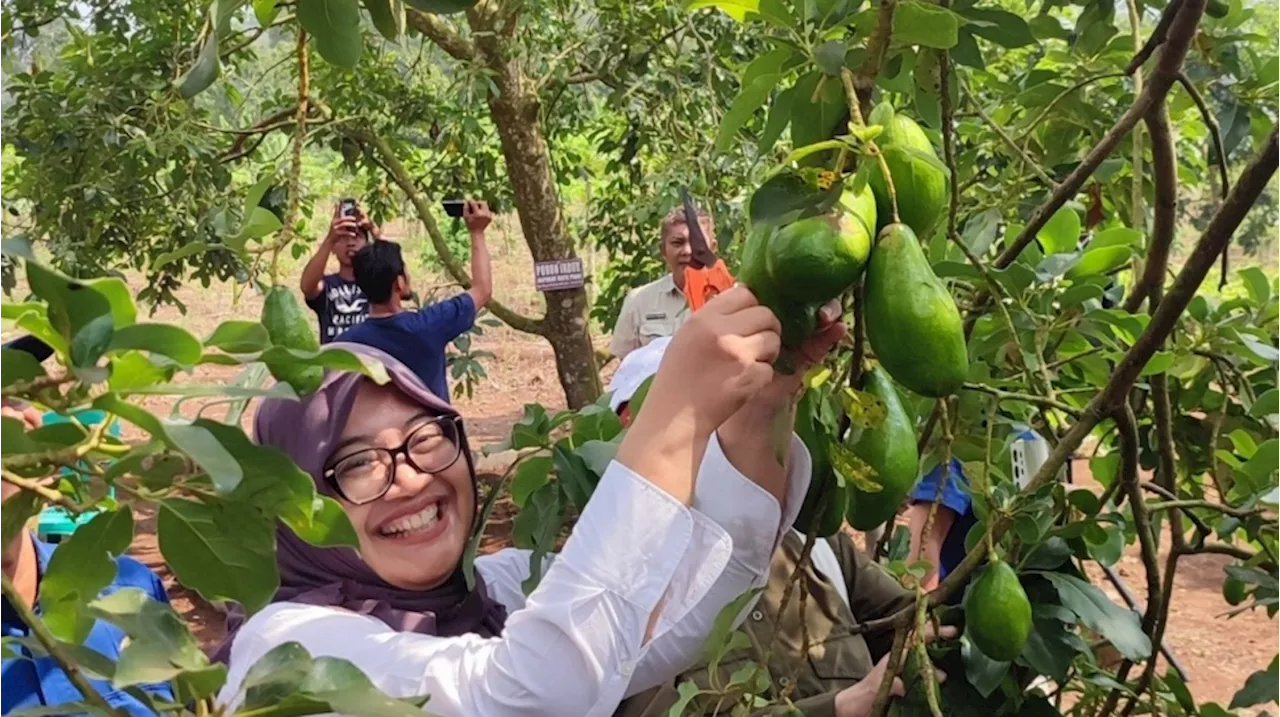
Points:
(366, 475)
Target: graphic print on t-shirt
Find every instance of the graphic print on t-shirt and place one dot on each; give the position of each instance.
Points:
(339, 307)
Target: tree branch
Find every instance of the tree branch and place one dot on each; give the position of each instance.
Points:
(1164, 171)
(49, 494)
(54, 648)
(1243, 195)
(1215, 130)
(401, 177)
(1024, 397)
(1127, 434)
(441, 33)
(877, 47)
(1018, 151)
(1158, 37)
(1181, 33)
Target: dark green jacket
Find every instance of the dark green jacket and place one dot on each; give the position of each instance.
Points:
(836, 659)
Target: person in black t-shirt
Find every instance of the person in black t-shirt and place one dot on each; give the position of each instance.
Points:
(336, 298)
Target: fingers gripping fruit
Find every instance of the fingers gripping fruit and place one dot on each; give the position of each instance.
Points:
(997, 613)
(890, 450)
(919, 179)
(913, 324)
(796, 268)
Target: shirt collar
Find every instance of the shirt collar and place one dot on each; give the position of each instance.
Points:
(668, 284)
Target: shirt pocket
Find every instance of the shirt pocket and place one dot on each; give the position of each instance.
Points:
(651, 329)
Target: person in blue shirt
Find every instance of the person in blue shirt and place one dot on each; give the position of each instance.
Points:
(944, 546)
(37, 680)
(418, 338)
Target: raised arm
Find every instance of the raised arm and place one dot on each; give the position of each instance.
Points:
(477, 216)
(312, 281)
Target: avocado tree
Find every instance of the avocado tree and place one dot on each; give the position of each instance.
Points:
(1044, 207)
(1055, 221)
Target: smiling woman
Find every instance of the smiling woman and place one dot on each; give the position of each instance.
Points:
(673, 533)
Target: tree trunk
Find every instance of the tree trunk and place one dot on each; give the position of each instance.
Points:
(515, 113)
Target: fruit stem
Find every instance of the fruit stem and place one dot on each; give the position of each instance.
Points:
(855, 115)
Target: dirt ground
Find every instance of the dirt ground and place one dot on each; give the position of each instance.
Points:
(1218, 653)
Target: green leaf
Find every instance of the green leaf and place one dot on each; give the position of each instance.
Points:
(722, 627)
(200, 76)
(80, 568)
(198, 442)
(980, 231)
(999, 26)
(816, 111)
(749, 99)
(736, 9)
(531, 475)
(259, 223)
(575, 480)
(1257, 284)
(829, 57)
(1100, 261)
(1061, 232)
(77, 311)
(440, 7)
(1119, 625)
(388, 17)
(925, 24)
(1263, 464)
(598, 454)
(265, 12)
(1268, 404)
(1106, 551)
(966, 52)
(984, 673)
(164, 339)
(812, 149)
(1262, 687)
(275, 676)
(18, 366)
(346, 690)
(778, 120)
(1159, 363)
(182, 252)
(787, 196)
(771, 63)
(595, 423)
(220, 550)
(238, 336)
(159, 647)
(1116, 236)
(335, 26)
(687, 691)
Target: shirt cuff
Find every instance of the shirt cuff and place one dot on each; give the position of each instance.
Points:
(741, 507)
(631, 537)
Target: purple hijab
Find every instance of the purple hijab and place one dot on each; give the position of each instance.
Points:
(306, 431)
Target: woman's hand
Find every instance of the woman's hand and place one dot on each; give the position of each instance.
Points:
(856, 701)
(719, 359)
(757, 438)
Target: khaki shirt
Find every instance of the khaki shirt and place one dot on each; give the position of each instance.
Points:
(836, 659)
(651, 311)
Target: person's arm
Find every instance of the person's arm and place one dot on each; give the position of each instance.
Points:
(312, 281)
(626, 332)
(477, 217)
(635, 549)
(954, 503)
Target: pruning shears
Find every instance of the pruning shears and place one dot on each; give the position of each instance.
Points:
(706, 275)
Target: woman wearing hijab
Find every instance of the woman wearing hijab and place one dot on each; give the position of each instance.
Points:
(682, 522)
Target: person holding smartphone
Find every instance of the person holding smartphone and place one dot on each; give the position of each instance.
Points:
(336, 298)
(418, 337)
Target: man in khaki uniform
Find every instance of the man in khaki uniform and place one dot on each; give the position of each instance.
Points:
(659, 308)
(841, 589)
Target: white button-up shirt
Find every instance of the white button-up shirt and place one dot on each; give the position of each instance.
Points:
(576, 645)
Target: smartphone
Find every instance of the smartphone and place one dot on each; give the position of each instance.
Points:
(453, 207)
(347, 208)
